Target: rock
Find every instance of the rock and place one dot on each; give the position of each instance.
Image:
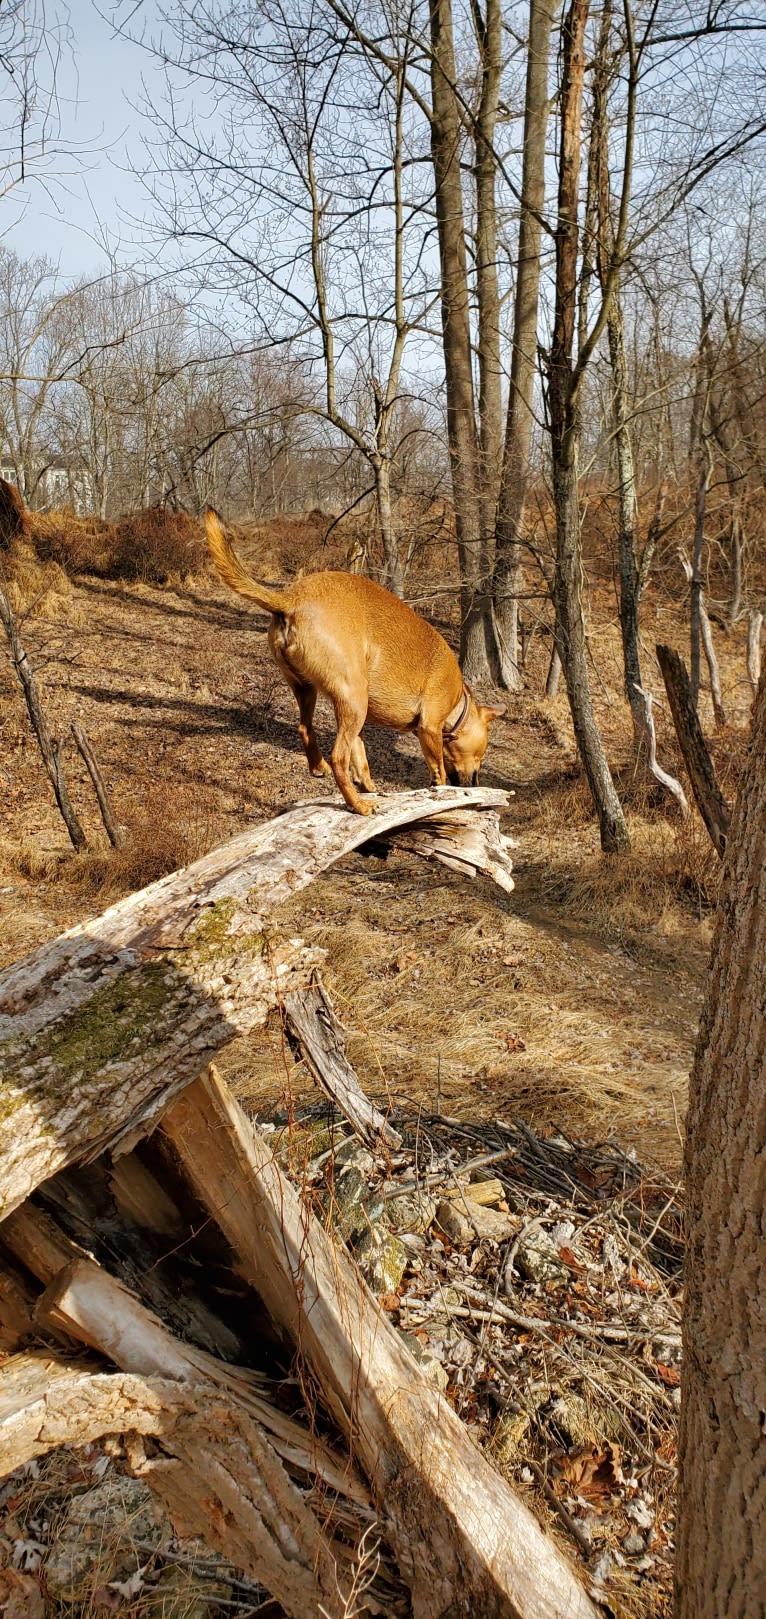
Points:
(179, 1593)
(411, 1213)
(351, 1152)
(382, 1259)
(490, 1225)
(96, 1539)
(432, 1370)
(509, 1440)
(634, 1545)
(485, 1192)
(454, 1224)
(346, 1206)
(538, 1260)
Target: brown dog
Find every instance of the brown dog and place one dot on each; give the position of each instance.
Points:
(345, 636)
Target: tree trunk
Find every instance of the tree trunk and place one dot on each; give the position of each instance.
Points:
(489, 31)
(721, 1559)
(393, 576)
(704, 472)
(564, 420)
(446, 136)
(509, 534)
(710, 801)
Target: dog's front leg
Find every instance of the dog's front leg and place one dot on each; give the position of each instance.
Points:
(431, 743)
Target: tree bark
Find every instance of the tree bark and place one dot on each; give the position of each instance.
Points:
(710, 801)
(564, 420)
(446, 137)
(509, 532)
(721, 1560)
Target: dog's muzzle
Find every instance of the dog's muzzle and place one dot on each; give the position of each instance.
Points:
(456, 779)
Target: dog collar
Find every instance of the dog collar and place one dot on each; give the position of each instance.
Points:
(453, 730)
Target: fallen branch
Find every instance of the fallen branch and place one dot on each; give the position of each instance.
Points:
(314, 1028)
(110, 825)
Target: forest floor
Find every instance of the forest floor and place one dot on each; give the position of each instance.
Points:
(574, 1001)
(571, 1004)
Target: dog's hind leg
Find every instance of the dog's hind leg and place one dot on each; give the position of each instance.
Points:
(360, 769)
(306, 698)
(350, 720)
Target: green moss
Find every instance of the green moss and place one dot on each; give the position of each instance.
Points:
(212, 939)
(117, 1018)
(130, 1015)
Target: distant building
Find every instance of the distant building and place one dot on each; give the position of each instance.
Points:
(60, 483)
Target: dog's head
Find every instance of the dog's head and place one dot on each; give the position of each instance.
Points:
(464, 751)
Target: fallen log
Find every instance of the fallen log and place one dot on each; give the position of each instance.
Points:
(101, 1027)
(464, 1542)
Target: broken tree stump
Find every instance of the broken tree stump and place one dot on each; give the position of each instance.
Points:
(99, 1028)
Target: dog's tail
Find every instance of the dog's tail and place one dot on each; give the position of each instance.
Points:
(271, 597)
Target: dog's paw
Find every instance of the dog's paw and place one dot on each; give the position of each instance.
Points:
(322, 769)
(365, 808)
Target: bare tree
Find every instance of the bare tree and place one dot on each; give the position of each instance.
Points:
(565, 376)
(521, 412)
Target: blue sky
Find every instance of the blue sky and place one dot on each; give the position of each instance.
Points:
(85, 186)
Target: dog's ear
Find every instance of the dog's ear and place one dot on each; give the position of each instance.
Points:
(491, 714)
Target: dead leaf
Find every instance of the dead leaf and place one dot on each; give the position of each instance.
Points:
(514, 1042)
(572, 1261)
(20, 1595)
(590, 1471)
(669, 1375)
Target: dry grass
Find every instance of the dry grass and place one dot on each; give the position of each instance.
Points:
(154, 546)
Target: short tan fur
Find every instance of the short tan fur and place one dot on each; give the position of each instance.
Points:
(345, 636)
